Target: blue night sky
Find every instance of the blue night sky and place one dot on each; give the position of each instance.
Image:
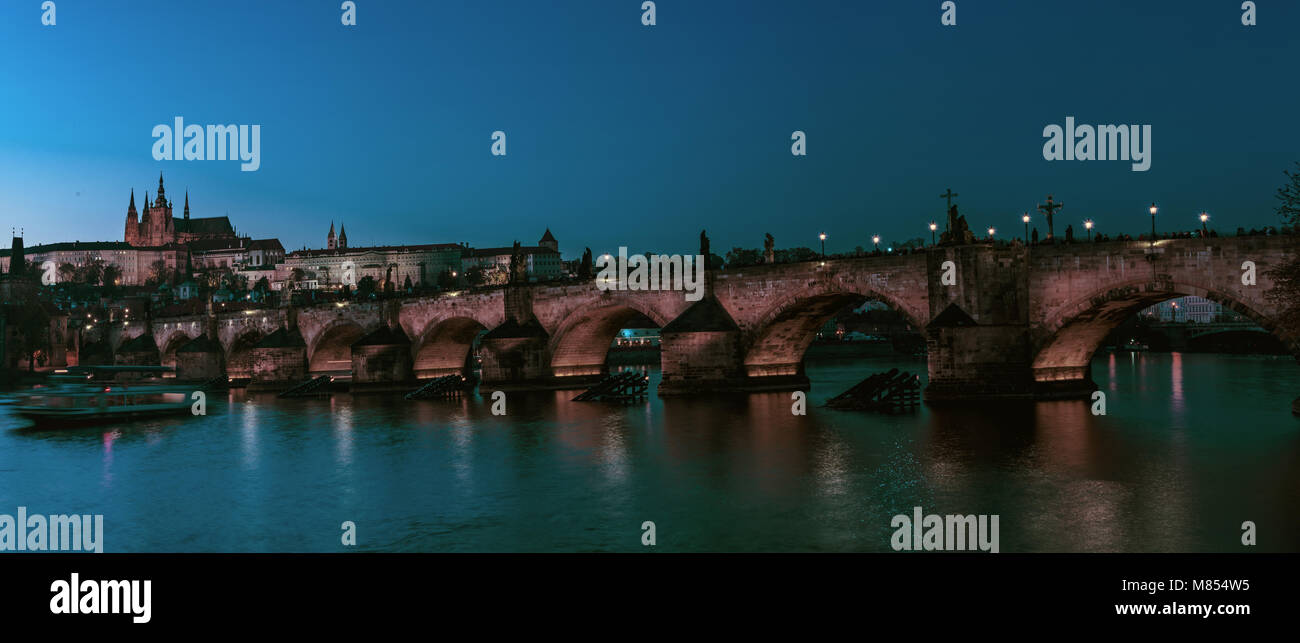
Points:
(621, 134)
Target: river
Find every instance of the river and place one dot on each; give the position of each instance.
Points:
(1189, 448)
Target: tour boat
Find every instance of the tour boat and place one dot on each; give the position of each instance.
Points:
(102, 403)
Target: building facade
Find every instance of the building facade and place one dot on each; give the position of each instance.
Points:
(541, 262)
(135, 265)
(1189, 309)
(338, 264)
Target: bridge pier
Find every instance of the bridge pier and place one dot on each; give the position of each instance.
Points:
(700, 352)
(972, 363)
(381, 361)
(199, 360)
(978, 337)
(278, 361)
(142, 350)
(514, 356)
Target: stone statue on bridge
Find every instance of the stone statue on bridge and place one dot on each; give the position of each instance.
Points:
(518, 268)
(769, 249)
(1049, 209)
(958, 232)
(704, 249)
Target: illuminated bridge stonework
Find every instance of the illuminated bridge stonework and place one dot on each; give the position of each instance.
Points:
(1017, 323)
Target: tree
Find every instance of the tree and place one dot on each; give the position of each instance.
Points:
(744, 257)
(67, 273)
(211, 279)
(366, 287)
(234, 282)
(791, 255)
(157, 273)
(445, 280)
(1289, 195)
(92, 273)
(32, 324)
(1285, 293)
(112, 275)
(476, 275)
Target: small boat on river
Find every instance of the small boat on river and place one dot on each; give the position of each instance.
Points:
(110, 403)
(83, 397)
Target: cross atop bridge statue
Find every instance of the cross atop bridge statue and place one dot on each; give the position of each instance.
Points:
(1050, 209)
(948, 194)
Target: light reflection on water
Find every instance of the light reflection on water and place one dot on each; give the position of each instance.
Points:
(1191, 446)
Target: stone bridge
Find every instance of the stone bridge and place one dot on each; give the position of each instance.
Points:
(1006, 321)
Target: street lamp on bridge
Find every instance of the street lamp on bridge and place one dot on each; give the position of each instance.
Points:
(822, 236)
(991, 231)
(933, 226)
(1088, 224)
(875, 239)
(1205, 232)
(1025, 218)
(1153, 209)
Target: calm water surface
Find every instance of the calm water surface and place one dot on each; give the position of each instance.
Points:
(1191, 446)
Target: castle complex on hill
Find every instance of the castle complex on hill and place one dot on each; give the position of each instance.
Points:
(156, 226)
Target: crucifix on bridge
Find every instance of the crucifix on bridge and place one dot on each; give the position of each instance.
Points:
(1049, 209)
(948, 194)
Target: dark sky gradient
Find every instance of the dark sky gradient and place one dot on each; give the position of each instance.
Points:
(620, 134)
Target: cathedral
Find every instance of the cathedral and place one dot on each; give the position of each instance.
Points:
(337, 243)
(155, 226)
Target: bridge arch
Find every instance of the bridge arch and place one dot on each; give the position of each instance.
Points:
(1065, 343)
(443, 347)
(331, 349)
(776, 344)
(581, 343)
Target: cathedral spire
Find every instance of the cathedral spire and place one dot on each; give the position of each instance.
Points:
(161, 200)
(130, 209)
(187, 204)
(343, 235)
